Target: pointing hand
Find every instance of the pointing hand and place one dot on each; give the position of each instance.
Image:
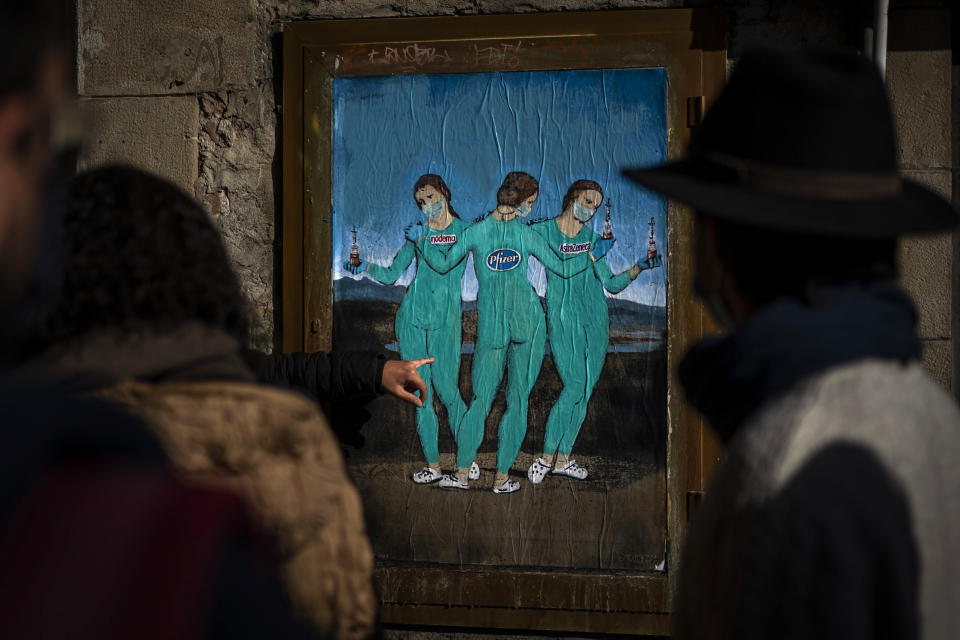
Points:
(401, 379)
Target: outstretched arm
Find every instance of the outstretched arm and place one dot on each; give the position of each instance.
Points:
(619, 282)
(614, 283)
(325, 376)
(392, 272)
(340, 376)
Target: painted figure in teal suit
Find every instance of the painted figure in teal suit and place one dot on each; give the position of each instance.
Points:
(428, 321)
(578, 323)
(511, 329)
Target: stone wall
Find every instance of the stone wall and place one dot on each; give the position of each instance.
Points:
(919, 81)
(185, 88)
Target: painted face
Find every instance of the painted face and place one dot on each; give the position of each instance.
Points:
(430, 201)
(586, 203)
(526, 205)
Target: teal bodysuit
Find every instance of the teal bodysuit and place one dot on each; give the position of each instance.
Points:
(578, 327)
(428, 325)
(510, 331)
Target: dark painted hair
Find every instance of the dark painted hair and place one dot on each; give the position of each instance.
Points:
(516, 187)
(138, 253)
(28, 32)
(435, 181)
(577, 188)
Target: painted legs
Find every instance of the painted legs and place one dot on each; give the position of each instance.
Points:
(443, 345)
(579, 352)
(523, 361)
(486, 373)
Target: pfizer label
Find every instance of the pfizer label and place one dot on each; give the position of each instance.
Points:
(503, 260)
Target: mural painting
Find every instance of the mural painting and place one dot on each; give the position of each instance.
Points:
(481, 220)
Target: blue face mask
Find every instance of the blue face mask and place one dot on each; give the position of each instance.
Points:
(523, 210)
(582, 212)
(433, 209)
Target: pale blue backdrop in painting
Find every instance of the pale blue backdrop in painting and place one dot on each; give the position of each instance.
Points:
(473, 129)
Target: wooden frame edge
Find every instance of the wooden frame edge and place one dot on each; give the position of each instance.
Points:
(291, 205)
(691, 473)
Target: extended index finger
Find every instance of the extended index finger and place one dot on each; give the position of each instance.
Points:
(421, 362)
(406, 396)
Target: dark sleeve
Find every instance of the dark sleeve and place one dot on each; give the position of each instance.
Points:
(833, 555)
(334, 376)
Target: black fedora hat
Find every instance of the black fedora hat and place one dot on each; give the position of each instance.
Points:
(801, 142)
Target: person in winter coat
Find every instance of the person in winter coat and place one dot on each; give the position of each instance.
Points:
(99, 539)
(150, 318)
(835, 513)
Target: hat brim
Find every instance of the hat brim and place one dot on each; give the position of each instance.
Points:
(915, 210)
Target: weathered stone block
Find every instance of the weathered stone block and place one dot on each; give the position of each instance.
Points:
(926, 267)
(938, 361)
(168, 46)
(156, 134)
(926, 273)
(237, 144)
(338, 9)
(918, 79)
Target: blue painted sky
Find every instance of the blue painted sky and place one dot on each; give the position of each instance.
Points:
(473, 129)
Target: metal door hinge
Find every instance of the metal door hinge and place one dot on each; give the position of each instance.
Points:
(694, 498)
(694, 111)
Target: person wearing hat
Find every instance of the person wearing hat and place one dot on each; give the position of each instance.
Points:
(836, 512)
